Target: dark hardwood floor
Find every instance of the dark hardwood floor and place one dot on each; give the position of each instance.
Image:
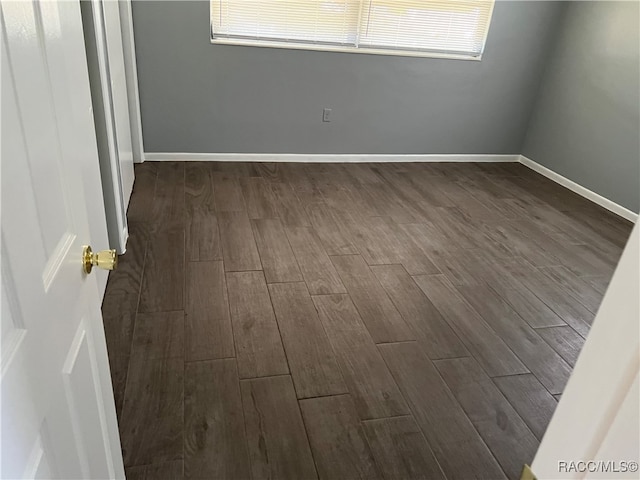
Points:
(348, 321)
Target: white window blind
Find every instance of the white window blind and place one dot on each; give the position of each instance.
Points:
(457, 27)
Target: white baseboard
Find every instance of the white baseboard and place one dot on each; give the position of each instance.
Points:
(322, 158)
(580, 190)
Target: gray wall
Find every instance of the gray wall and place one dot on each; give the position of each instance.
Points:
(198, 97)
(586, 122)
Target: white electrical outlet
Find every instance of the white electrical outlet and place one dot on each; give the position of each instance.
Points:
(326, 115)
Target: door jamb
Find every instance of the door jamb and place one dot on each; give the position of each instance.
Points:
(131, 72)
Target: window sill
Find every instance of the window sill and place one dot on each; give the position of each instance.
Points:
(342, 49)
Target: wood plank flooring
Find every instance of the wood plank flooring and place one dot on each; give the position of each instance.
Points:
(339, 321)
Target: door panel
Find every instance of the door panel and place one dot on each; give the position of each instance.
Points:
(58, 412)
(83, 396)
(13, 331)
(38, 465)
(35, 104)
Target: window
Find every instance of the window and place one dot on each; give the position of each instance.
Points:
(449, 28)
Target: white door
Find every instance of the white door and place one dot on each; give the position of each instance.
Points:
(58, 413)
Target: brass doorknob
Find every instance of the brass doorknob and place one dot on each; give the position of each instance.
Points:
(105, 259)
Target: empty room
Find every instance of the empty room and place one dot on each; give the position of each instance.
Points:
(320, 239)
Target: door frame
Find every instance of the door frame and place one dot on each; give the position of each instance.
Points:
(100, 65)
(131, 70)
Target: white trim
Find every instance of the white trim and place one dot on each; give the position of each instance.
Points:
(580, 190)
(131, 75)
(324, 158)
(112, 186)
(344, 49)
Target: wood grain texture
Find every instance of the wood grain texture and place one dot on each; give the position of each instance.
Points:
(198, 183)
(317, 270)
(168, 202)
(364, 173)
(288, 206)
(532, 310)
(238, 245)
(127, 277)
(159, 335)
(227, 193)
(278, 262)
(422, 200)
(214, 441)
(413, 258)
(455, 443)
(610, 226)
(386, 202)
(236, 169)
(306, 191)
(572, 257)
(258, 197)
(313, 366)
(151, 426)
(144, 188)
(335, 238)
(530, 348)
(460, 196)
(599, 282)
(563, 340)
(519, 244)
(401, 450)
(166, 471)
(427, 237)
(374, 237)
(163, 278)
(277, 440)
(433, 333)
(384, 322)
(340, 449)
(459, 228)
(202, 238)
(118, 317)
(569, 282)
(470, 267)
(427, 183)
(530, 399)
(502, 429)
(380, 241)
(486, 346)
(119, 368)
(259, 350)
(345, 198)
(573, 313)
(372, 388)
(208, 324)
